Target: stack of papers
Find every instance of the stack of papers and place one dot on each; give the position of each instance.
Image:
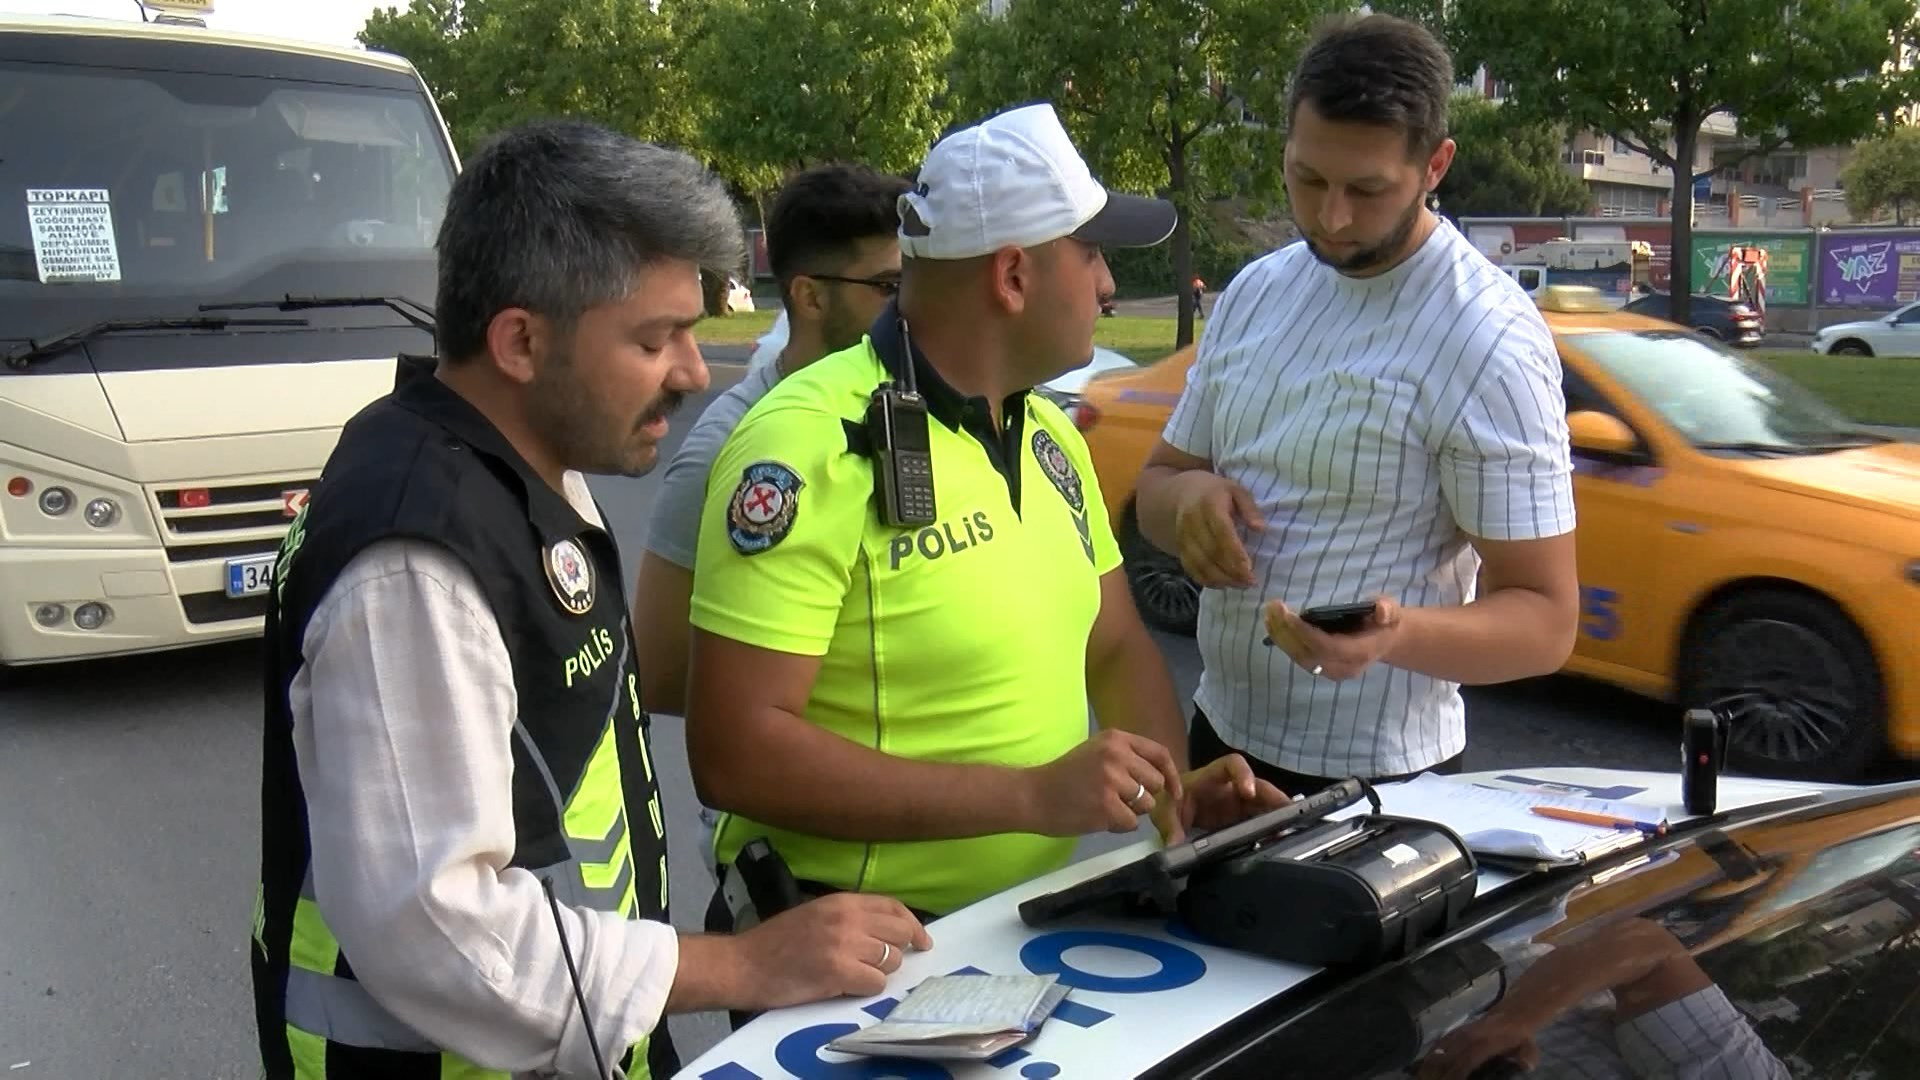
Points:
(960, 1016)
(1501, 821)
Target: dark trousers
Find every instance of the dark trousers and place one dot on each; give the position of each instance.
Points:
(1204, 744)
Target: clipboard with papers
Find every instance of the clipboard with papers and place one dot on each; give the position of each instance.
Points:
(1499, 825)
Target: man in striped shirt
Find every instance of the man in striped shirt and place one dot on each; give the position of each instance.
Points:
(1374, 413)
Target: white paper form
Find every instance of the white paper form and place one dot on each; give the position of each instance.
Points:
(1495, 821)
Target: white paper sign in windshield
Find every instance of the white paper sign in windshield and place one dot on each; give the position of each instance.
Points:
(73, 235)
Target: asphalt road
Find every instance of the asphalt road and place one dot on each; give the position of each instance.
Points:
(129, 839)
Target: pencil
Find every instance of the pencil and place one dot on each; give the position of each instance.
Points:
(1585, 818)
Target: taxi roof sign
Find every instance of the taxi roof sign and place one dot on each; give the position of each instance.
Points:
(197, 7)
(1573, 298)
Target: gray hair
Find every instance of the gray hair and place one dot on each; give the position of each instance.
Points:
(560, 216)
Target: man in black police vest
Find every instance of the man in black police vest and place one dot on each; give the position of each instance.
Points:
(464, 861)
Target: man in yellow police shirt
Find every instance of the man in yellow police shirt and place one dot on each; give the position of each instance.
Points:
(902, 710)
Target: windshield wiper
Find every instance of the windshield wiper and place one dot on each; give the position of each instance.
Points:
(420, 315)
(21, 356)
(1857, 439)
(1752, 447)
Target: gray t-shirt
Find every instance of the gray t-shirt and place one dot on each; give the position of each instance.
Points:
(674, 531)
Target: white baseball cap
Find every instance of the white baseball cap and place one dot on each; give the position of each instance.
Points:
(1015, 180)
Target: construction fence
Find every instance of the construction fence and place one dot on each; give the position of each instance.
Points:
(1815, 276)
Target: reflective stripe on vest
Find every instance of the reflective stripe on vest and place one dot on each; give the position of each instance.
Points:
(322, 1007)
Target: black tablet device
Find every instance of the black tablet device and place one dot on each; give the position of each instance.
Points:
(1156, 875)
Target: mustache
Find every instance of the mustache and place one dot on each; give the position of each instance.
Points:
(668, 404)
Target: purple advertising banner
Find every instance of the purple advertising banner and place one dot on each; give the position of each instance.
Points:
(1869, 269)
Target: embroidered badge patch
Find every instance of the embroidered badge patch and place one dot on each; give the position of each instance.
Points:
(571, 576)
(763, 507)
(1053, 461)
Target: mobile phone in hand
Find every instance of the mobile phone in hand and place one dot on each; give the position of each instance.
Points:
(1339, 618)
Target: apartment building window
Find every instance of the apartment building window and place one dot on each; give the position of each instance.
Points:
(1625, 200)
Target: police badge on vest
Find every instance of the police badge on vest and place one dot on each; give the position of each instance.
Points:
(1066, 480)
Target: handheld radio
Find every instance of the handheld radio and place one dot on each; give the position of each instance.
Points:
(902, 451)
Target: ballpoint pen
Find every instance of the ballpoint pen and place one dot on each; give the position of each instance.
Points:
(1585, 818)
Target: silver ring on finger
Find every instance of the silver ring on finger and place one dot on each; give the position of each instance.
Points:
(886, 954)
(1316, 670)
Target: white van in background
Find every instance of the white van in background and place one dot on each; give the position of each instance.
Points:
(1531, 278)
(212, 248)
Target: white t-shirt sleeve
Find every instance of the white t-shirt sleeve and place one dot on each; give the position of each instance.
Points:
(403, 716)
(1506, 467)
(1190, 428)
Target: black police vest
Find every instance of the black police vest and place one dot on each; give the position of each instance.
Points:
(423, 464)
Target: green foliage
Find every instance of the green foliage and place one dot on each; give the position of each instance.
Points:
(1217, 257)
(1153, 91)
(1506, 166)
(1650, 72)
(495, 63)
(1884, 174)
(793, 83)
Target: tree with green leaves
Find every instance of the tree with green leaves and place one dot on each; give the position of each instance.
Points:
(495, 63)
(1650, 73)
(787, 84)
(1506, 165)
(1182, 97)
(1884, 174)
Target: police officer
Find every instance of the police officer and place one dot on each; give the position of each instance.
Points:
(463, 860)
(831, 242)
(902, 708)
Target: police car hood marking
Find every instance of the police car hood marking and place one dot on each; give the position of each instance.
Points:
(1141, 989)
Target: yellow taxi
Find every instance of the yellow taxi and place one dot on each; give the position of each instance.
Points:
(1742, 545)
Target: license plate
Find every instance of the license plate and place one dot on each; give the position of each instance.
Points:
(250, 576)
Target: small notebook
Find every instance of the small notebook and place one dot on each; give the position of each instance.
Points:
(1501, 822)
(965, 1017)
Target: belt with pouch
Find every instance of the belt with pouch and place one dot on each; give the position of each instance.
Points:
(758, 884)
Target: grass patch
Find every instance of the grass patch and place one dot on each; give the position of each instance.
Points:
(744, 328)
(1141, 338)
(1870, 389)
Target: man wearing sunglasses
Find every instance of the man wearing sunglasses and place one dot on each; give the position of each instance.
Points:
(831, 237)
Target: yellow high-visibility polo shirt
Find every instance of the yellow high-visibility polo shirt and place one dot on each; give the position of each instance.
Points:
(964, 641)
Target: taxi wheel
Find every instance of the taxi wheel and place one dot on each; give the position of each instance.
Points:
(1168, 599)
(1796, 679)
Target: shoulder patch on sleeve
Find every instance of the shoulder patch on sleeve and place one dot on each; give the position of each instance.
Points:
(763, 506)
(1059, 469)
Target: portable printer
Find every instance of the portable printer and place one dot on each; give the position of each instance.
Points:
(1293, 886)
(1338, 893)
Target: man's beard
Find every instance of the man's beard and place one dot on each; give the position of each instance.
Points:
(1374, 255)
(841, 328)
(587, 438)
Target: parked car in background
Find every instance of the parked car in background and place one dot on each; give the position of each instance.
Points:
(1894, 334)
(1732, 321)
(1065, 390)
(739, 297)
(1742, 545)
